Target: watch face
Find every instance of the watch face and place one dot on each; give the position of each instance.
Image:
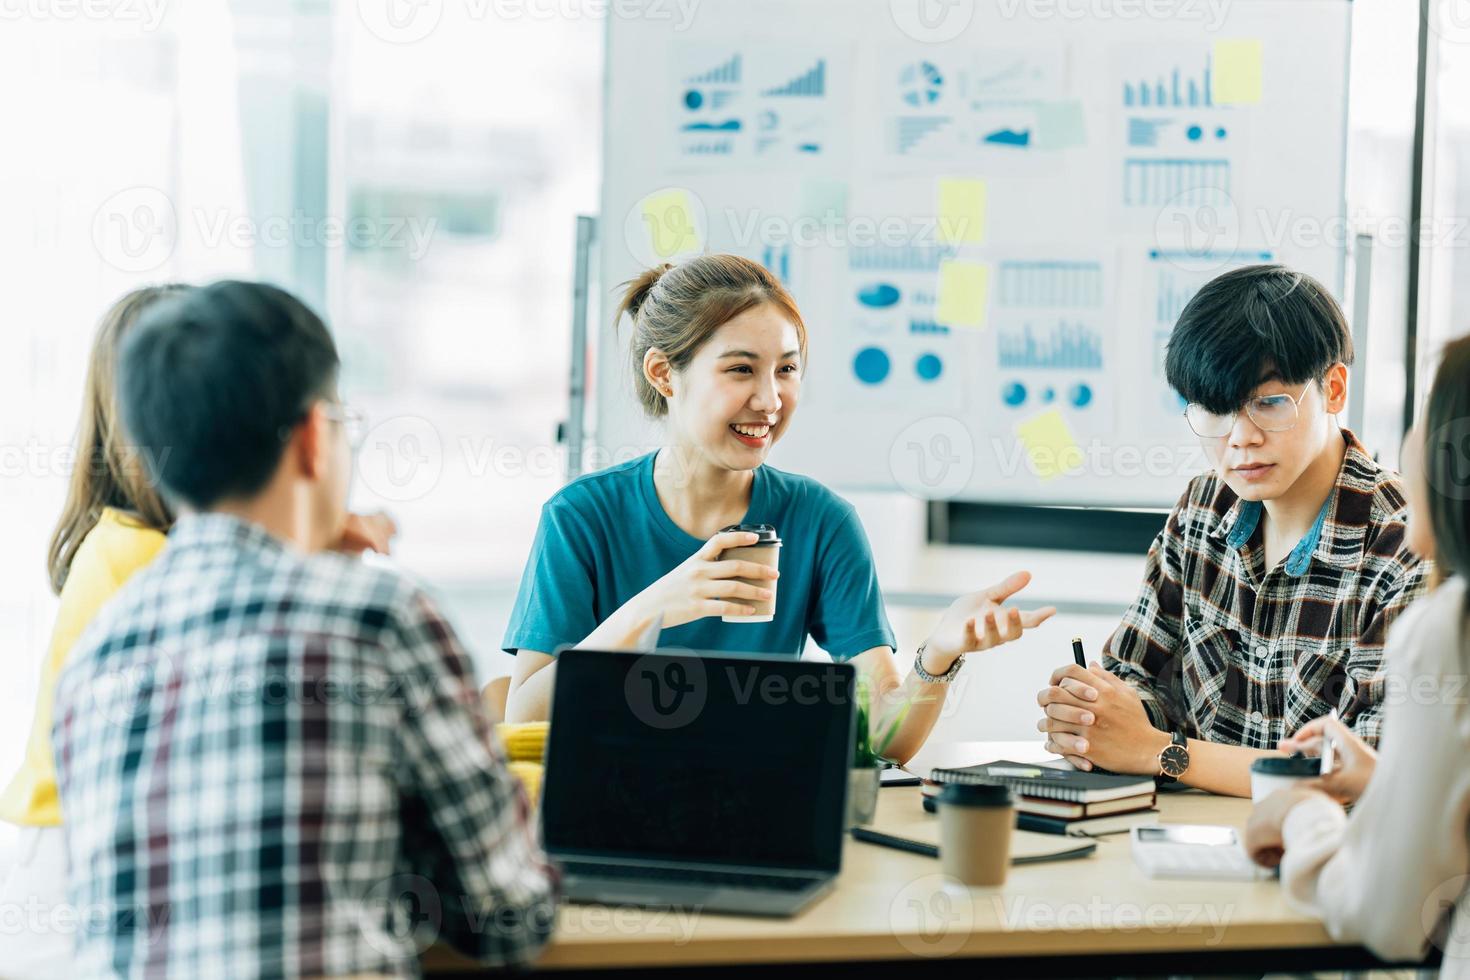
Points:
(1174, 760)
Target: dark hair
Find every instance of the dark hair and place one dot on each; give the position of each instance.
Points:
(1447, 459)
(210, 384)
(1250, 321)
(107, 471)
(677, 308)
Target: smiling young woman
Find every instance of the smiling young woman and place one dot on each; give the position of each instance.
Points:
(718, 351)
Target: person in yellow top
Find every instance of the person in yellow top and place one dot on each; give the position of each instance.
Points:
(117, 545)
(114, 523)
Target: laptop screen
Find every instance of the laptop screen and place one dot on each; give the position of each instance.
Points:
(713, 759)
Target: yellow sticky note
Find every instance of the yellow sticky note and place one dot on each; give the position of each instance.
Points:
(1237, 72)
(1049, 443)
(669, 218)
(964, 294)
(961, 210)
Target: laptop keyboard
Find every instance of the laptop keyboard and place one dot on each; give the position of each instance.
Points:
(690, 876)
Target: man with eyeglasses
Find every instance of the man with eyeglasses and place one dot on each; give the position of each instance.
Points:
(1268, 595)
(273, 759)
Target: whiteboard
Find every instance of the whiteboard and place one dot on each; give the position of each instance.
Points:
(990, 218)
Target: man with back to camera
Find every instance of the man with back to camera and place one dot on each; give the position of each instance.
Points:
(274, 761)
(1268, 595)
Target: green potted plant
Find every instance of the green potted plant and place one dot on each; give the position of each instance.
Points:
(868, 759)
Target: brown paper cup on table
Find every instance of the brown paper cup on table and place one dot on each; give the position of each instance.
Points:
(975, 824)
(766, 551)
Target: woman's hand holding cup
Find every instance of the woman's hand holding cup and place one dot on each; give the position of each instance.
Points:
(1356, 760)
(704, 585)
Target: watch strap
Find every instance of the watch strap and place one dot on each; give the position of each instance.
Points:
(945, 678)
(1175, 738)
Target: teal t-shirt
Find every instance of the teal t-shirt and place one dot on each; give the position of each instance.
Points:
(605, 537)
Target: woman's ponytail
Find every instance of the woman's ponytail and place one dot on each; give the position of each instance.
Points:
(676, 309)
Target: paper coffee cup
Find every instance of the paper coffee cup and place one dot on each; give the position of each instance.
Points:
(766, 551)
(975, 824)
(1278, 772)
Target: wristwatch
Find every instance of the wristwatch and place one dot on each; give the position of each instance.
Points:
(944, 678)
(1174, 759)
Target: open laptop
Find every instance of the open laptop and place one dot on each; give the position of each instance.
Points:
(709, 782)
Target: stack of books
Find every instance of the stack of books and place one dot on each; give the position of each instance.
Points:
(1060, 801)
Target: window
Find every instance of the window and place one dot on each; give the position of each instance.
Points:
(1445, 284)
(420, 193)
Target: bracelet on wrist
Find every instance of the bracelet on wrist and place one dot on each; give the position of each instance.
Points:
(945, 678)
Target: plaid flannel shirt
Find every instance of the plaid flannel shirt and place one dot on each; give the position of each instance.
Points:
(274, 765)
(1222, 649)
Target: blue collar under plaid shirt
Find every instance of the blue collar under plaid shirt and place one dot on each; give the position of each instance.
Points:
(274, 765)
(1221, 648)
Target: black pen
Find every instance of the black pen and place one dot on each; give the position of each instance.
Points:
(898, 843)
(1077, 652)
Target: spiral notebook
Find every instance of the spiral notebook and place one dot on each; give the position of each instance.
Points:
(1071, 785)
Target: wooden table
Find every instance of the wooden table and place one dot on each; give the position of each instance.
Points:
(1094, 916)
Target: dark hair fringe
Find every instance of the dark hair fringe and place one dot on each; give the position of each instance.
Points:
(1248, 325)
(209, 381)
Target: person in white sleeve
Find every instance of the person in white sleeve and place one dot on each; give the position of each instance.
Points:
(1393, 874)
